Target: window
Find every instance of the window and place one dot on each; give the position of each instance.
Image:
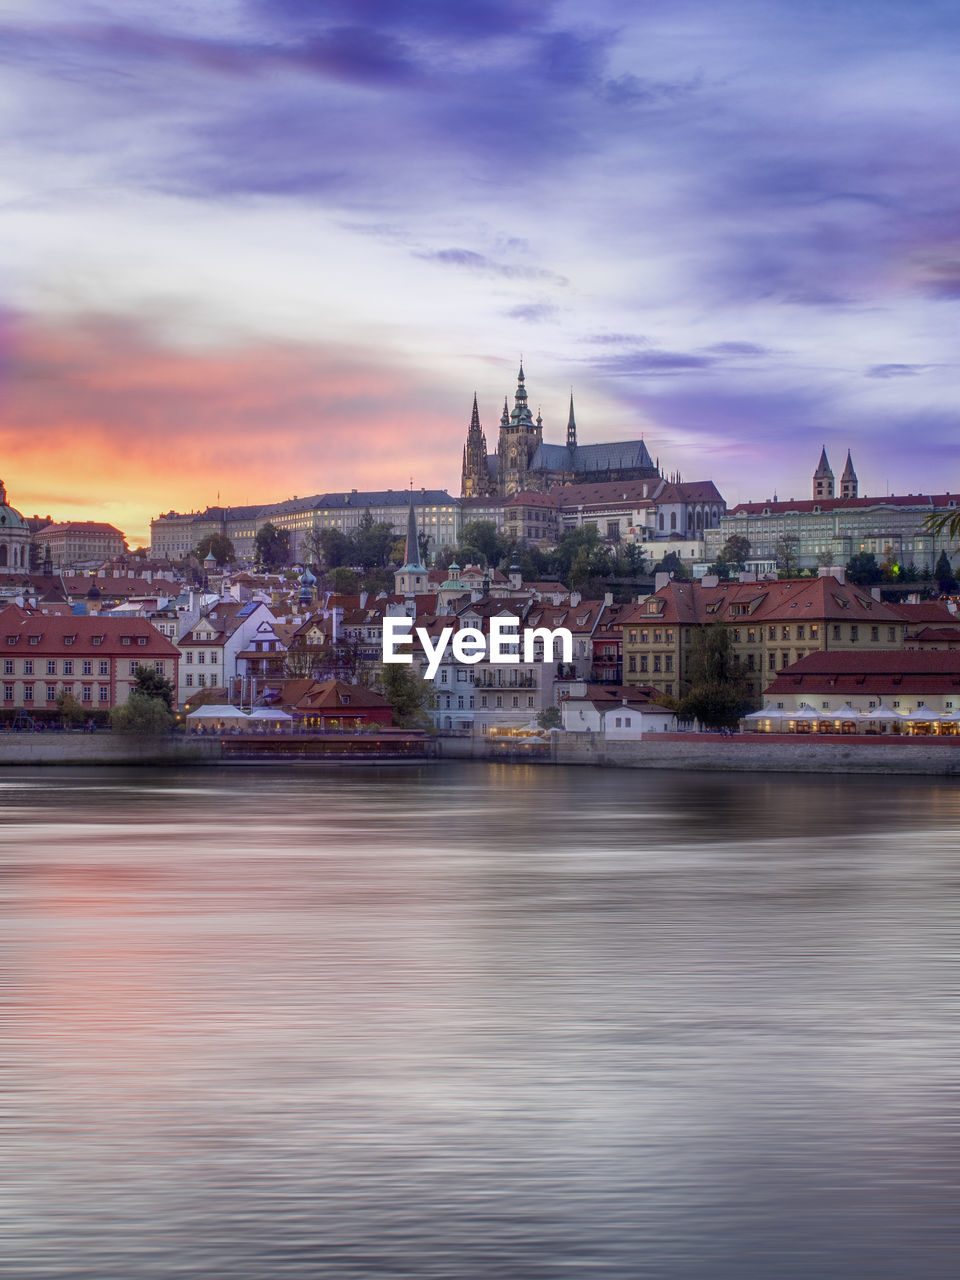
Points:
(530, 701)
(668, 662)
(28, 667)
(51, 666)
(188, 680)
(836, 633)
(87, 694)
(483, 700)
(515, 701)
(201, 657)
(96, 639)
(68, 667)
(87, 667)
(854, 633)
(643, 662)
(874, 633)
(499, 700)
(34, 639)
(160, 668)
(815, 631)
(8, 693)
(133, 668)
(104, 693)
(443, 675)
(891, 633)
(656, 662)
(632, 662)
(772, 661)
(51, 693)
(8, 666)
(801, 632)
(658, 637)
(142, 640)
(784, 633)
(201, 680)
(644, 637)
(784, 659)
(189, 657)
(125, 640)
(771, 633)
(28, 693)
(104, 668)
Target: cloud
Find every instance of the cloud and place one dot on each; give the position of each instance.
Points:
(470, 260)
(161, 428)
(653, 362)
(737, 349)
(533, 313)
(895, 370)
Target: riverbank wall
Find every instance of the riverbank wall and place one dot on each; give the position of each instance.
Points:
(739, 753)
(103, 748)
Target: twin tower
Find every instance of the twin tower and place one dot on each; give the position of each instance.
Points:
(823, 482)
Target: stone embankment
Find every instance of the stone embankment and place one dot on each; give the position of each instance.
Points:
(743, 752)
(103, 747)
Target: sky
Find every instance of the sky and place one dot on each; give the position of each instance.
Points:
(252, 249)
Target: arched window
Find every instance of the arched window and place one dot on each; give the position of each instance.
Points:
(3, 554)
(660, 521)
(673, 521)
(699, 518)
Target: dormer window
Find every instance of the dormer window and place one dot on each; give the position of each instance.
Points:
(126, 640)
(96, 639)
(34, 639)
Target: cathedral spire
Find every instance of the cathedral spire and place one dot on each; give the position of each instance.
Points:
(849, 485)
(571, 427)
(412, 553)
(475, 415)
(823, 481)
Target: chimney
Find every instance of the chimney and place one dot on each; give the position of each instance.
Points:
(608, 598)
(661, 580)
(875, 592)
(710, 580)
(833, 571)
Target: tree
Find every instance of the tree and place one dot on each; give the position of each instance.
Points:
(550, 718)
(70, 709)
(786, 550)
(371, 542)
(219, 546)
(735, 551)
(718, 694)
(344, 581)
(376, 580)
(142, 715)
(150, 684)
(943, 524)
(409, 695)
(671, 563)
(479, 538)
(946, 582)
(862, 569)
(271, 547)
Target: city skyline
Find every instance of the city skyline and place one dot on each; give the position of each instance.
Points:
(272, 248)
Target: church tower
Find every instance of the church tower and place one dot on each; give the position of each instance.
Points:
(520, 437)
(823, 477)
(475, 479)
(849, 485)
(571, 427)
(411, 578)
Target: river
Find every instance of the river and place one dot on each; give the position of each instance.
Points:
(476, 1021)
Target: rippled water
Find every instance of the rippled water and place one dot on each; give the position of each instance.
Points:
(471, 1021)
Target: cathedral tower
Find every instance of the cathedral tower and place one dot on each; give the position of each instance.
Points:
(475, 478)
(823, 477)
(849, 485)
(520, 437)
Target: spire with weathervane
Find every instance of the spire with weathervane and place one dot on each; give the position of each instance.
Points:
(849, 484)
(411, 578)
(823, 479)
(475, 479)
(571, 427)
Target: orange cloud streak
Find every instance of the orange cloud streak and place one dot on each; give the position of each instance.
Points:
(100, 421)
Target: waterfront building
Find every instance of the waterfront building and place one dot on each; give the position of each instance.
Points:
(911, 683)
(618, 714)
(211, 648)
(770, 626)
(95, 658)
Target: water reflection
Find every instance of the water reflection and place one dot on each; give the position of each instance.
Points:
(478, 1022)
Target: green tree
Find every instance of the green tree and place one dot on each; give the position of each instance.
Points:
(142, 716)
(70, 709)
(219, 545)
(409, 695)
(946, 582)
(376, 580)
(735, 551)
(718, 694)
(550, 718)
(671, 563)
(271, 547)
(344, 581)
(371, 542)
(481, 540)
(150, 684)
(862, 569)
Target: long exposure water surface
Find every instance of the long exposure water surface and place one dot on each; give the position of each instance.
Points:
(478, 1021)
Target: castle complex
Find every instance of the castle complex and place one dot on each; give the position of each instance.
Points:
(523, 463)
